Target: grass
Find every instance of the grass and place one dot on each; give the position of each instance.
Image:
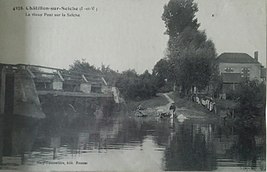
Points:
(149, 103)
(186, 103)
(179, 102)
(222, 105)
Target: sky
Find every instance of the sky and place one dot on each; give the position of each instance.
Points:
(124, 34)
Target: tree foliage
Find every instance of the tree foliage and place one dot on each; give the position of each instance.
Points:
(179, 14)
(191, 55)
(136, 87)
(111, 76)
(161, 72)
(251, 99)
(194, 57)
(82, 66)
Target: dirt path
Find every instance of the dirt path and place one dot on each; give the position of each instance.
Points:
(168, 98)
(191, 113)
(165, 108)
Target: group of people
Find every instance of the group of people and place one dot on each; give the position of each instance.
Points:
(207, 102)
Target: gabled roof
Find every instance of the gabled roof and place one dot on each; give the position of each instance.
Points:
(235, 58)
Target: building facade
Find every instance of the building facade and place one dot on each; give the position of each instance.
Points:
(236, 67)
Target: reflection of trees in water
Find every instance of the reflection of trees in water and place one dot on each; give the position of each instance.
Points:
(69, 112)
(124, 130)
(189, 146)
(162, 133)
(250, 122)
(247, 150)
(136, 129)
(133, 130)
(238, 142)
(188, 150)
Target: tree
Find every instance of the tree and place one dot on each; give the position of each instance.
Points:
(161, 72)
(82, 66)
(126, 82)
(148, 84)
(193, 59)
(179, 14)
(110, 75)
(136, 87)
(191, 55)
(164, 75)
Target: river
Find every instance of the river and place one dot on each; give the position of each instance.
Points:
(128, 143)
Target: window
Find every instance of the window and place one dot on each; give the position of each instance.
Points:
(245, 72)
(228, 69)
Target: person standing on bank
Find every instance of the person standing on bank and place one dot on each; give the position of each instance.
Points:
(173, 108)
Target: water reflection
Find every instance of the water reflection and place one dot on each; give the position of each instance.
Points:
(124, 143)
(191, 148)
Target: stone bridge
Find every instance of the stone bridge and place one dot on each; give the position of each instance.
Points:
(25, 87)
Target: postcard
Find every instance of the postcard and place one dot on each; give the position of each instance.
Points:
(132, 85)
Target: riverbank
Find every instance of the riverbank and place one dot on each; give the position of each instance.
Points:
(153, 102)
(162, 102)
(190, 109)
(184, 106)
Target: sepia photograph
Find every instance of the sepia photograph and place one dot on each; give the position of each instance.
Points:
(132, 85)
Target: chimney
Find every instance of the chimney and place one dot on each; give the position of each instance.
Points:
(256, 55)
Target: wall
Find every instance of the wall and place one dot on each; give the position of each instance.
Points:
(57, 85)
(85, 87)
(255, 68)
(106, 89)
(26, 101)
(228, 87)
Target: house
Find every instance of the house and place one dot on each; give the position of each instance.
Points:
(236, 67)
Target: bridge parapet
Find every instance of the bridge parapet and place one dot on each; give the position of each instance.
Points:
(55, 79)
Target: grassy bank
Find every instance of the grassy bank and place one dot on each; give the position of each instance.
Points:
(186, 103)
(222, 105)
(149, 103)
